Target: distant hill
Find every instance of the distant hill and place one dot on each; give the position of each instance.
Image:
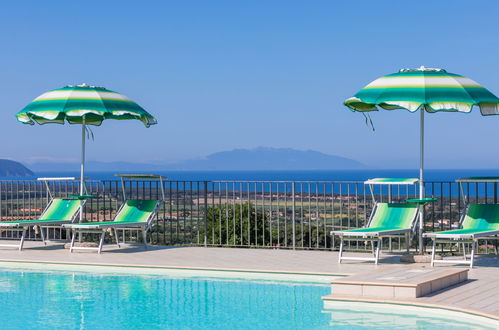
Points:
(270, 159)
(261, 158)
(10, 168)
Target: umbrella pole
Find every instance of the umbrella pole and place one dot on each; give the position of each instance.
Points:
(82, 166)
(421, 177)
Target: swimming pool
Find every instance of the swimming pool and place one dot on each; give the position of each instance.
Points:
(62, 300)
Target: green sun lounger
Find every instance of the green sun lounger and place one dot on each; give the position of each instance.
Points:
(479, 221)
(58, 212)
(386, 220)
(132, 215)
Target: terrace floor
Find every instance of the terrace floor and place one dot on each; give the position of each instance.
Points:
(479, 294)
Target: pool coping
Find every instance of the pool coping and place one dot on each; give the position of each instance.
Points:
(152, 268)
(239, 270)
(411, 303)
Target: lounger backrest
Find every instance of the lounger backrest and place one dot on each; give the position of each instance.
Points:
(394, 215)
(134, 210)
(61, 209)
(482, 216)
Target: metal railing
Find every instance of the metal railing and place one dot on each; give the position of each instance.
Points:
(266, 214)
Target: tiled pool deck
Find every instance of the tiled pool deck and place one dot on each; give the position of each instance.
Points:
(480, 294)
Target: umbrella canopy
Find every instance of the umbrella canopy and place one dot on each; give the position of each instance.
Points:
(431, 89)
(85, 105)
(424, 89)
(76, 104)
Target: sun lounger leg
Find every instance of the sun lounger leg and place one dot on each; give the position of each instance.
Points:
(22, 240)
(407, 241)
(378, 247)
(116, 237)
(144, 236)
(42, 235)
(73, 237)
(341, 250)
(101, 241)
(433, 248)
(473, 247)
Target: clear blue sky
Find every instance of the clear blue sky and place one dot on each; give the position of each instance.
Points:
(220, 75)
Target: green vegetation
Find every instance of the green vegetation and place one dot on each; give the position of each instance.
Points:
(236, 224)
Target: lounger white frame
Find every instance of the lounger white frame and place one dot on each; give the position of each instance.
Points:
(22, 227)
(375, 237)
(459, 239)
(462, 238)
(102, 228)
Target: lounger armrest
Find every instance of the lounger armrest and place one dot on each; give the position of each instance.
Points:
(9, 225)
(451, 236)
(346, 233)
(448, 236)
(366, 234)
(30, 223)
(343, 232)
(488, 233)
(107, 225)
(355, 234)
(77, 226)
(127, 225)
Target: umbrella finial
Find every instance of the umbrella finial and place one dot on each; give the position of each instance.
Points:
(83, 85)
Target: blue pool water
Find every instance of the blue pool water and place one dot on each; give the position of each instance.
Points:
(57, 300)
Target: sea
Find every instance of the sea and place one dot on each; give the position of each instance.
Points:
(438, 180)
(303, 175)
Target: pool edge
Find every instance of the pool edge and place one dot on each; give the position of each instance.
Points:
(311, 277)
(411, 303)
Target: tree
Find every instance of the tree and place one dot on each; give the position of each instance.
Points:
(236, 224)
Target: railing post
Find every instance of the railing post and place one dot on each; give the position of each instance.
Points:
(205, 194)
(495, 192)
(293, 205)
(1, 191)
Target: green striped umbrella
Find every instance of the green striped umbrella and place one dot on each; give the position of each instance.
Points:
(85, 105)
(82, 104)
(424, 89)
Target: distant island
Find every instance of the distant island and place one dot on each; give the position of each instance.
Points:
(10, 168)
(261, 158)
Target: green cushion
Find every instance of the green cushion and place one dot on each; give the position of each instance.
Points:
(482, 217)
(60, 209)
(133, 212)
(394, 215)
(136, 211)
